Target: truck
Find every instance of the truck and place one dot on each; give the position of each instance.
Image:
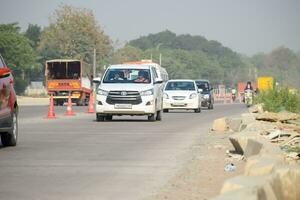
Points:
(64, 77)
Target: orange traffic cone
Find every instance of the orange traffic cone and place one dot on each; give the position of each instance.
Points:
(51, 114)
(69, 107)
(91, 104)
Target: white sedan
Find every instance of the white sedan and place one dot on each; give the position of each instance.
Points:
(181, 94)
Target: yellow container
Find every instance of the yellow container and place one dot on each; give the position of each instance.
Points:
(265, 83)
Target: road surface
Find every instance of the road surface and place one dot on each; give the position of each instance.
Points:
(79, 158)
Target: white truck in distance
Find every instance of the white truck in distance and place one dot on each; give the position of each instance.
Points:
(133, 88)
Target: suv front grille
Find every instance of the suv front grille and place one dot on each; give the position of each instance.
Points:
(124, 97)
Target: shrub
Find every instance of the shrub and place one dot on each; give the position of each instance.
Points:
(279, 99)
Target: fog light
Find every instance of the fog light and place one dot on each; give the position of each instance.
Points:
(100, 103)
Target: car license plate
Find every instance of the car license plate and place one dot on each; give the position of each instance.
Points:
(178, 104)
(123, 106)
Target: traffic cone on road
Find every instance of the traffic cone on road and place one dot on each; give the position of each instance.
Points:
(51, 114)
(69, 107)
(91, 104)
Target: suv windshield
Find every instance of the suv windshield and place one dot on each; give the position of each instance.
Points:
(182, 85)
(203, 85)
(127, 76)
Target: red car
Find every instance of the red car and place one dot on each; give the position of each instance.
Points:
(8, 107)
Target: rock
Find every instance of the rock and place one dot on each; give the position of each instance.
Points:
(235, 124)
(293, 155)
(262, 165)
(248, 118)
(220, 124)
(246, 143)
(258, 108)
(275, 117)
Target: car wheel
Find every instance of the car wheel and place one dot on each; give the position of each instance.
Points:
(100, 118)
(158, 116)
(165, 110)
(211, 106)
(152, 117)
(198, 110)
(10, 138)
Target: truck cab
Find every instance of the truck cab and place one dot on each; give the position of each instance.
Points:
(130, 89)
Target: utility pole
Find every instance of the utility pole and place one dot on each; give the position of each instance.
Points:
(160, 59)
(94, 63)
(94, 75)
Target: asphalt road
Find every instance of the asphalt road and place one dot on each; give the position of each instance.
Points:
(79, 158)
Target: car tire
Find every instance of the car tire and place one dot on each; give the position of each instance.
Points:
(211, 106)
(100, 118)
(165, 110)
(10, 138)
(152, 118)
(158, 115)
(198, 110)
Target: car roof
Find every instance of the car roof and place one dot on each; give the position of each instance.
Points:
(181, 80)
(202, 80)
(129, 66)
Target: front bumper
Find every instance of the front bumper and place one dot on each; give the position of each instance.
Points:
(180, 104)
(146, 107)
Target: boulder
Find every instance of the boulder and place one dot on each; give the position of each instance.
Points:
(235, 124)
(258, 108)
(262, 164)
(246, 143)
(277, 117)
(220, 125)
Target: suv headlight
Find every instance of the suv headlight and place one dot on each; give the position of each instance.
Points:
(147, 92)
(193, 95)
(166, 96)
(102, 92)
(206, 96)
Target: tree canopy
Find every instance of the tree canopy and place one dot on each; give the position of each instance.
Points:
(74, 33)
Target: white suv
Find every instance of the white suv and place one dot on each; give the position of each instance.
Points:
(130, 89)
(181, 94)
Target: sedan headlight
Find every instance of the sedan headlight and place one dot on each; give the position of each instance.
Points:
(102, 92)
(147, 92)
(166, 96)
(193, 95)
(206, 96)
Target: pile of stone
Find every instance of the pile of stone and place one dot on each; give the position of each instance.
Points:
(270, 144)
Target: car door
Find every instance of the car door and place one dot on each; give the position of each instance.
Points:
(5, 82)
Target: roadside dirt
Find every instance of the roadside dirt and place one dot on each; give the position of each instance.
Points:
(203, 174)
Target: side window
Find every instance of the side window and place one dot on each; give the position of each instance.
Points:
(154, 74)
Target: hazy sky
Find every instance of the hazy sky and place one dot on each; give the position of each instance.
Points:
(246, 26)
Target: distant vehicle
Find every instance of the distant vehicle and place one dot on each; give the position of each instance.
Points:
(181, 94)
(131, 89)
(248, 97)
(64, 77)
(207, 93)
(8, 107)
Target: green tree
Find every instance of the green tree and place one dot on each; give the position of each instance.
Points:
(74, 33)
(18, 54)
(125, 54)
(33, 33)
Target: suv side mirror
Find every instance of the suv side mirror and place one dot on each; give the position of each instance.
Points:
(158, 81)
(97, 80)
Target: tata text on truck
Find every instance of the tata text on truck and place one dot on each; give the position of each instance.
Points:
(64, 77)
(133, 88)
